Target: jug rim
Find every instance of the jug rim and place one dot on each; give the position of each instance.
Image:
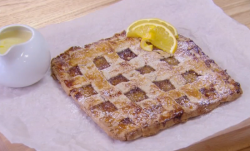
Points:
(21, 26)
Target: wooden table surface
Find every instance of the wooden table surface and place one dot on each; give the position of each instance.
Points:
(39, 13)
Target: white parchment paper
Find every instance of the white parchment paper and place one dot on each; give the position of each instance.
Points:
(43, 117)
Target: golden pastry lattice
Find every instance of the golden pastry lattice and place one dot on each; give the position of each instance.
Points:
(132, 93)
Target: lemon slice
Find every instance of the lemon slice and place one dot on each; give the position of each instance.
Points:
(153, 33)
(155, 21)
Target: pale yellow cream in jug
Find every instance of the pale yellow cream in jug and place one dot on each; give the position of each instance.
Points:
(13, 37)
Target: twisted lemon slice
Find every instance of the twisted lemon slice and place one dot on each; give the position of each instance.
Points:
(156, 32)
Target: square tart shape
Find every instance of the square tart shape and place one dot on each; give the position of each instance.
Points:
(188, 54)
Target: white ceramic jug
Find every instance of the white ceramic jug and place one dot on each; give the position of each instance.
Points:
(25, 63)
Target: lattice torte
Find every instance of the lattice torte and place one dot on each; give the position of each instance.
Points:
(132, 93)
